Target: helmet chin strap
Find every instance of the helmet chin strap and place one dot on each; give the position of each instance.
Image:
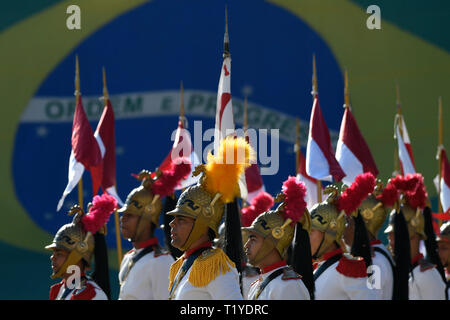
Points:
(314, 256)
(72, 259)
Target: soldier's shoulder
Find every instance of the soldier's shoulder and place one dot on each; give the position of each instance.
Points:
(290, 274)
(351, 266)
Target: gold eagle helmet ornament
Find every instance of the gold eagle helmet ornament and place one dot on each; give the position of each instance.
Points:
(145, 200)
(413, 200)
(277, 226)
(375, 208)
(218, 185)
(77, 237)
(329, 215)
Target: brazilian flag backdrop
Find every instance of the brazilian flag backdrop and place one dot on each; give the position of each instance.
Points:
(149, 47)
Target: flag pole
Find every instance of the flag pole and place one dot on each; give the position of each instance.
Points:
(399, 124)
(346, 96)
(116, 214)
(297, 145)
(314, 93)
(440, 145)
(226, 39)
(77, 98)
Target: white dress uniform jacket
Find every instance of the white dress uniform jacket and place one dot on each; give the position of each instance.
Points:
(148, 279)
(222, 283)
(383, 275)
(89, 291)
(345, 279)
(425, 282)
(286, 286)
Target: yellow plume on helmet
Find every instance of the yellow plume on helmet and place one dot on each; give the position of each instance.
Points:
(224, 169)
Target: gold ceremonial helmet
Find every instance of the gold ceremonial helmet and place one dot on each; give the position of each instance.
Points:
(72, 238)
(277, 227)
(143, 203)
(414, 220)
(326, 218)
(373, 211)
(218, 185)
(277, 232)
(206, 209)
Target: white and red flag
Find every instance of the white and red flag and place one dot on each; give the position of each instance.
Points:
(311, 197)
(105, 136)
(352, 151)
(320, 161)
(444, 182)
(224, 111)
(224, 125)
(85, 152)
(404, 147)
(182, 148)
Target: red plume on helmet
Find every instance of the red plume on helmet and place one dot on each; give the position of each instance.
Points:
(294, 204)
(352, 197)
(418, 197)
(389, 195)
(172, 177)
(413, 187)
(259, 204)
(99, 212)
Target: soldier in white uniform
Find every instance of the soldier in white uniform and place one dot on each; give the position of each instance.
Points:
(261, 203)
(144, 271)
(443, 241)
(374, 210)
(269, 237)
(425, 282)
(73, 248)
(204, 272)
(338, 275)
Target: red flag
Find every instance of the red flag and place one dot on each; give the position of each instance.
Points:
(320, 161)
(182, 148)
(352, 151)
(311, 197)
(85, 152)
(404, 147)
(105, 175)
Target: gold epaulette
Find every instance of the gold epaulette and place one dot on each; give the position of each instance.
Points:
(174, 270)
(209, 266)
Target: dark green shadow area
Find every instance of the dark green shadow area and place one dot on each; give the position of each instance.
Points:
(428, 20)
(12, 12)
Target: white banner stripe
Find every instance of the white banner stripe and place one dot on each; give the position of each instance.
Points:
(76, 170)
(316, 164)
(404, 155)
(348, 162)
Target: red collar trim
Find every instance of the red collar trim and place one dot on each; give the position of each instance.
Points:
(147, 243)
(191, 251)
(417, 258)
(374, 242)
(330, 254)
(273, 266)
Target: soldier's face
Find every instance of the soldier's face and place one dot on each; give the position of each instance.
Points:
(58, 258)
(444, 252)
(315, 239)
(128, 225)
(180, 229)
(252, 246)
